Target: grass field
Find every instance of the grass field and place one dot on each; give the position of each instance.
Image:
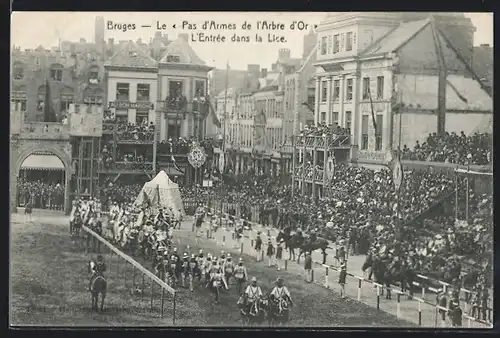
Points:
(49, 281)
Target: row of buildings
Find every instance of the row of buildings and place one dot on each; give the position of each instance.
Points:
(374, 75)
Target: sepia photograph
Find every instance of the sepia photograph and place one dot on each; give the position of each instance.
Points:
(251, 169)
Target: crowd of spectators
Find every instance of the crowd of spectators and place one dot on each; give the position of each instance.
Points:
(40, 195)
(178, 146)
(136, 132)
(324, 130)
(452, 148)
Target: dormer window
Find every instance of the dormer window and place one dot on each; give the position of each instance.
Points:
(173, 58)
(56, 73)
(18, 71)
(94, 75)
(133, 54)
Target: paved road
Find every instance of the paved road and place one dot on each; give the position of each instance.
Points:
(410, 310)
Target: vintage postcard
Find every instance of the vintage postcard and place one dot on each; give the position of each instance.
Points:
(242, 169)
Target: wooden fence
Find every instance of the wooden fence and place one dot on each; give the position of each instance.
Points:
(138, 268)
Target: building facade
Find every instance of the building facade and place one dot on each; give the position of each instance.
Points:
(365, 64)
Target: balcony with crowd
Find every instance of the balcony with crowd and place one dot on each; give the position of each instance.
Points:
(475, 149)
(336, 134)
(182, 146)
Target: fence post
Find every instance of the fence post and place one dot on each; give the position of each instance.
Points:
(162, 300)
(286, 264)
(142, 289)
(398, 306)
(312, 273)
(378, 297)
(152, 293)
(359, 288)
(223, 241)
(423, 291)
(419, 313)
(241, 250)
(133, 276)
(173, 314)
(326, 276)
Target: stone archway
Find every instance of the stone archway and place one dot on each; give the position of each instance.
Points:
(20, 154)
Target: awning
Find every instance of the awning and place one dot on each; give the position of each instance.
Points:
(173, 172)
(42, 162)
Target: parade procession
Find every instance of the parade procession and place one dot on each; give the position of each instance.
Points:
(349, 184)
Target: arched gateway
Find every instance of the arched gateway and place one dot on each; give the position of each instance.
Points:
(41, 154)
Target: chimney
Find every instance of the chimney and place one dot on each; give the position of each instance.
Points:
(284, 54)
(263, 72)
(184, 37)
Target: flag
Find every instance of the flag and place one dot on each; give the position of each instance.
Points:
(175, 164)
(373, 112)
(48, 111)
(145, 200)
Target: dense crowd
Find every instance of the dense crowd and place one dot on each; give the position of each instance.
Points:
(136, 132)
(183, 146)
(38, 194)
(324, 130)
(452, 148)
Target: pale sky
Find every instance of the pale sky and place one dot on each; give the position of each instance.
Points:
(75, 25)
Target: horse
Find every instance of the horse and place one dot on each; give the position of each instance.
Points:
(75, 226)
(257, 311)
(98, 286)
(310, 246)
(291, 242)
(279, 311)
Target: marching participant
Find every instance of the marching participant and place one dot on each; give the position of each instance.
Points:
(258, 246)
(281, 292)
(308, 267)
(228, 268)
(270, 252)
(252, 294)
(342, 277)
(240, 274)
(279, 253)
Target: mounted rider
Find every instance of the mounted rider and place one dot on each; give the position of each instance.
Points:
(252, 294)
(98, 268)
(280, 292)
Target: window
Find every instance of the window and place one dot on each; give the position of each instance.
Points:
(348, 117)
(142, 92)
(380, 87)
(323, 117)
(175, 88)
(94, 74)
(18, 71)
(348, 42)
(366, 88)
(323, 91)
(40, 99)
(56, 73)
(19, 99)
(364, 132)
(142, 117)
(336, 44)
(378, 132)
(121, 116)
(199, 90)
(348, 94)
(342, 42)
(335, 118)
(323, 45)
(336, 90)
(67, 98)
(122, 91)
(330, 47)
(174, 129)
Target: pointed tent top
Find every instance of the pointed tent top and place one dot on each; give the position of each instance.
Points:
(180, 48)
(161, 179)
(132, 55)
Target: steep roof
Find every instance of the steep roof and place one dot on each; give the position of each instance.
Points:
(132, 55)
(482, 63)
(180, 48)
(461, 93)
(396, 38)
